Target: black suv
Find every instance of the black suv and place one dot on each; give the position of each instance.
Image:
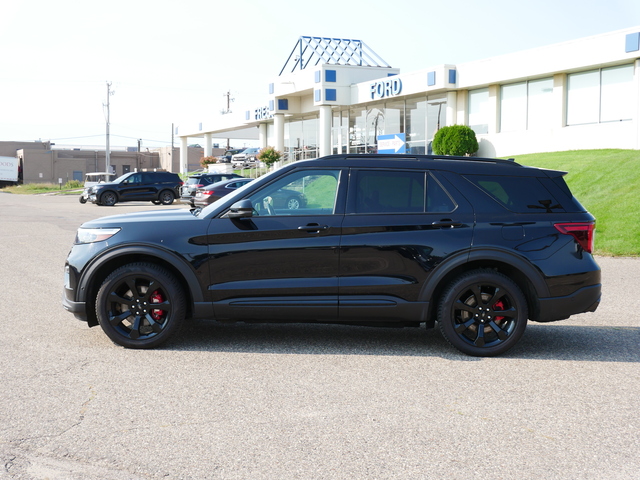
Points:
(478, 245)
(198, 180)
(157, 187)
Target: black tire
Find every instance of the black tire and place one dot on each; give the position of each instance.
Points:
(293, 203)
(155, 202)
(82, 199)
(140, 305)
(482, 298)
(109, 199)
(166, 197)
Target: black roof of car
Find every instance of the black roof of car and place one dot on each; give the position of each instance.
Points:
(469, 165)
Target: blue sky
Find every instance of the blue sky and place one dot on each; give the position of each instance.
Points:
(171, 62)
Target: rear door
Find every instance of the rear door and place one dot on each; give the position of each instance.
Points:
(281, 262)
(399, 226)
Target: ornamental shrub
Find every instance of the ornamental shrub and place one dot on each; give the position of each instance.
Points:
(269, 155)
(455, 140)
(204, 161)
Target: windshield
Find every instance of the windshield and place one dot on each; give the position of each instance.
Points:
(121, 178)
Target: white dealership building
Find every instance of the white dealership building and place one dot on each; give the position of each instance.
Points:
(337, 96)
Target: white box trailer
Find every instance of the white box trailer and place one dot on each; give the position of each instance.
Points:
(9, 169)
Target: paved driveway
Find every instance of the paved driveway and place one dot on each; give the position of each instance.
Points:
(301, 401)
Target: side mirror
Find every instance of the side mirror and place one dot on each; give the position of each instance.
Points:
(241, 209)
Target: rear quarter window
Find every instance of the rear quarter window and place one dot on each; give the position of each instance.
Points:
(518, 194)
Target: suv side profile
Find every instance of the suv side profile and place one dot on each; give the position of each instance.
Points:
(157, 187)
(478, 246)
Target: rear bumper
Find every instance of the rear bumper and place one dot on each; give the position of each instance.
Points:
(583, 300)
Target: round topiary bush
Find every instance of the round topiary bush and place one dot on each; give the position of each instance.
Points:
(457, 140)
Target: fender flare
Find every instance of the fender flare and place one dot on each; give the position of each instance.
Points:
(177, 263)
(486, 254)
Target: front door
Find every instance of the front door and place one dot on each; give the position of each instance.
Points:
(284, 259)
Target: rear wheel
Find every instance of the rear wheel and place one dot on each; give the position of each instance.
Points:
(166, 197)
(482, 313)
(140, 305)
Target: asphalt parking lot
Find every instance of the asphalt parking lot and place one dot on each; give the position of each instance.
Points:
(301, 401)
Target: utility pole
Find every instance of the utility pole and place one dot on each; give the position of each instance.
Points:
(107, 149)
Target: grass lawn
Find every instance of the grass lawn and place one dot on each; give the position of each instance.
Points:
(607, 183)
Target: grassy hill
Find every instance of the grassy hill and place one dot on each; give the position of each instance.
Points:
(607, 183)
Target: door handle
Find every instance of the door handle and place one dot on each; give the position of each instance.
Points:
(313, 228)
(446, 222)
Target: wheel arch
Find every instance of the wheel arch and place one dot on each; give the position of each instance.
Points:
(102, 266)
(526, 275)
(109, 190)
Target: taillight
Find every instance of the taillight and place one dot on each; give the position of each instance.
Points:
(207, 192)
(584, 233)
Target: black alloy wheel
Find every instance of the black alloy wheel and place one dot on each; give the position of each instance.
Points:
(140, 305)
(482, 313)
(166, 197)
(109, 199)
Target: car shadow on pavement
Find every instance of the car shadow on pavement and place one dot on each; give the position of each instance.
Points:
(542, 342)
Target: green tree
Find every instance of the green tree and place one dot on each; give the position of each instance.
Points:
(269, 155)
(457, 140)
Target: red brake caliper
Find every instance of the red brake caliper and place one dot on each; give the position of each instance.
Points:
(499, 305)
(156, 297)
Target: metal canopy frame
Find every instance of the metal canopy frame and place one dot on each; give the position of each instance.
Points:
(335, 51)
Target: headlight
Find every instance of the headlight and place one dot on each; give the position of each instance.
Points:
(91, 235)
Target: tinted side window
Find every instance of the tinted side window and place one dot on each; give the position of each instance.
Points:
(306, 192)
(385, 191)
(438, 200)
(518, 194)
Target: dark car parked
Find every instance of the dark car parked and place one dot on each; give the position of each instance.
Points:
(157, 187)
(210, 193)
(198, 180)
(479, 246)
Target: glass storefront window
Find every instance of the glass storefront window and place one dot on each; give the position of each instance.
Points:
(301, 138)
(513, 107)
(357, 130)
(600, 95)
(416, 126)
(617, 89)
(539, 103)
(436, 118)
(479, 110)
(583, 100)
(526, 105)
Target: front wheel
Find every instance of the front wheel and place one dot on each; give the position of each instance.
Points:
(82, 199)
(140, 305)
(482, 313)
(109, 199)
